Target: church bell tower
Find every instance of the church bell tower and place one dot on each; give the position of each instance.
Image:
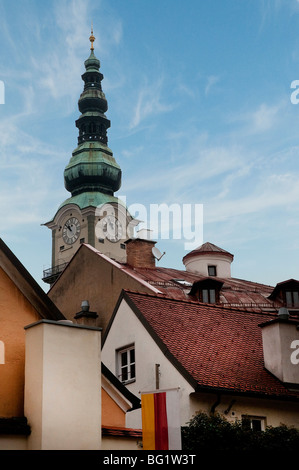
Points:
(93, 214)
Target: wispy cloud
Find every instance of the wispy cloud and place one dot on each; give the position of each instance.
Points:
(211, 81)
(149, 103)
(261, 119)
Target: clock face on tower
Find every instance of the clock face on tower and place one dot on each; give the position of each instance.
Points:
(71, 230)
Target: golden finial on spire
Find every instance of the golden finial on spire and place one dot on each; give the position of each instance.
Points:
(92, 38)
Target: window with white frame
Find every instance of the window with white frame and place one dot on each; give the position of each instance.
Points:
(126, 364)
(256, 423)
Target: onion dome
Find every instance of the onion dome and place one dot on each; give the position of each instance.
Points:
(92, 167)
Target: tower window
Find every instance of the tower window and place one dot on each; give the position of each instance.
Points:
(212, 271)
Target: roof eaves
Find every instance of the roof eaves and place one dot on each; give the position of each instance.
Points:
(135, 401)
(35, 294)
(121, 432)
(247, 393)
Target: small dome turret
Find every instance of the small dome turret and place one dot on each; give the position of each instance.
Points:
(209, 260)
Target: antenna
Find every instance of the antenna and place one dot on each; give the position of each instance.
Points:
(157, 253)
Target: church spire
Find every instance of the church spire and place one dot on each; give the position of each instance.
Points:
(92, 167)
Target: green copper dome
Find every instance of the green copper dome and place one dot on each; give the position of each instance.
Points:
(92, 63)
(92, 168)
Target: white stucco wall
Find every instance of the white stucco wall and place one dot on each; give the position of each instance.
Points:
(280, 346)
(127, 329)
(199, 264)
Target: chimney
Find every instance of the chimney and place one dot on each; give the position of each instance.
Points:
(139, 253)
(62, 386)
(281, 348)
(85, 317)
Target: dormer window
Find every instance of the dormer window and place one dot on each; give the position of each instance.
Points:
(207, 290)
(286, 293)
(208, 296)
(292, 298)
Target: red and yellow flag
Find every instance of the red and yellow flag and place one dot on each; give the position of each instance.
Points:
(161, 428)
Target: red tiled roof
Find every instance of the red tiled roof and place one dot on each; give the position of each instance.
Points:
(216, 346)
(121, 432)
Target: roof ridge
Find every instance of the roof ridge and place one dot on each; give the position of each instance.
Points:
(196, 303)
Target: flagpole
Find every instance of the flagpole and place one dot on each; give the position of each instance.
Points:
(160, 390)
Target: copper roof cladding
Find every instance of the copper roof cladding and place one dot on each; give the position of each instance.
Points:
(213, 347)
(208, 248)
(176, 284)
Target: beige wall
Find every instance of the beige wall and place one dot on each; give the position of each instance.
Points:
(233, 407)
(13, 442)
(112, 414)
(120, 443)
(15, 313)
(63, 386)
(91, 277)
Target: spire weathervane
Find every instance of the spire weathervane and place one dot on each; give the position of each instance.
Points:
(92, 38)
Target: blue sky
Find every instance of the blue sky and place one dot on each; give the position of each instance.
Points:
(199, 98)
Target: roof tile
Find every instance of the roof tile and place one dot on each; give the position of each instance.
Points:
(219, 347)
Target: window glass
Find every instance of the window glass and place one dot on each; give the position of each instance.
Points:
(126, 364)
(289, 298)
(205, 296)
(292, 298)
(296, 299)
(255, 423)
(212, 296)
(212, 270)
